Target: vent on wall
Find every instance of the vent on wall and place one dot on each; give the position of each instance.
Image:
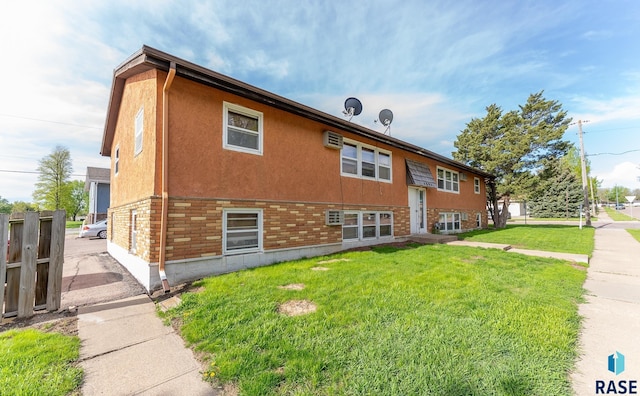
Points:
(335, 217)
(465, 217)
(463, 177)
(332, 140)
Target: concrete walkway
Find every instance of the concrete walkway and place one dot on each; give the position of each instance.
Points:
(611, 313)
(127, 350)
(579, 258)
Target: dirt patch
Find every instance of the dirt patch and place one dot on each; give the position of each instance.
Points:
(320, 269)
(472, 259)
(333, 261)
(397, 245)
(63, 322)
(230, 389)
(292, 286)
(297, 307)
(578, 266)
(65, 326)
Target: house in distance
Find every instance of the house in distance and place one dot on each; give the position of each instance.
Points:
(211, 175)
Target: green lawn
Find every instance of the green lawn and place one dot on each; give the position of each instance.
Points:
(36, 363)
(74, 224)
(617, 216)
(549, 237)
(428, 320)
(635, 234)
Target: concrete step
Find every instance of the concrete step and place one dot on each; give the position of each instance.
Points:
(432, 238)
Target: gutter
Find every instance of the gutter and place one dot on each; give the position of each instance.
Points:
(165, 176)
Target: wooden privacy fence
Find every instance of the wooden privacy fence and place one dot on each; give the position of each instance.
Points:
(31, 266)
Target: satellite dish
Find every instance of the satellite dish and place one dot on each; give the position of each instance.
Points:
(352, 107)
(386, 117)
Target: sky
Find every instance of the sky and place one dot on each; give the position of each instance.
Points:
(435, 64)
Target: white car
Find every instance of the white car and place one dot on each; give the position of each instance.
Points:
(98, 229)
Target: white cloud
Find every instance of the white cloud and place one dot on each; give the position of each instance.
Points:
(623, 174)
(625, 108)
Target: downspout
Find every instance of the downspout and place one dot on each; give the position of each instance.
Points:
(165, 176)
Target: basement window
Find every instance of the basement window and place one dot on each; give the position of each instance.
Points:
(242, 231)
(367, 225)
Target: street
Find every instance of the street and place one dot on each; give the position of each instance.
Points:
(91, 276)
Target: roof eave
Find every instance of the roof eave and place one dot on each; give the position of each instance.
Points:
(147, 58)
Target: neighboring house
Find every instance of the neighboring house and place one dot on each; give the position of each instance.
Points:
(211, 175)
(97, 184)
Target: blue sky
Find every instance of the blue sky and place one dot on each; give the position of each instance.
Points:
(435, 64)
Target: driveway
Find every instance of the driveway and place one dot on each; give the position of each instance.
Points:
(91, 276)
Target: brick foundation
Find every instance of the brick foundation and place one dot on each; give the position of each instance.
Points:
(194, 226)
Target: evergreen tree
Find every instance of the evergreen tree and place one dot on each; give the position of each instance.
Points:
(513, 146)
(558, 194)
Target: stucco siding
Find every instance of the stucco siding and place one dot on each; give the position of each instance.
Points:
(136, 176)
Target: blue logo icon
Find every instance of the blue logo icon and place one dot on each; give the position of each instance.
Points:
(616, 363)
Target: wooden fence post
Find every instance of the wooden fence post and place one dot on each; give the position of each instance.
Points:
(4, 236)
(28, 268)
(56, 260)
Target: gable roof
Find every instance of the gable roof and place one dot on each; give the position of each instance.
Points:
(148, 58)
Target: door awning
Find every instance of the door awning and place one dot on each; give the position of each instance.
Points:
(419, 174)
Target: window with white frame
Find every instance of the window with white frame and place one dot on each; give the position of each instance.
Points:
(367, 225)
(242, 129)
(242, 231)
(365, 161)
(139, 131)
(478, 220)
(476, 185)
(448, 180)
(450, 222)
(116, 160)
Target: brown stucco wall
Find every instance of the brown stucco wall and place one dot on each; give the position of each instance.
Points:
(137, 175)
(294, 182)
(295, 166)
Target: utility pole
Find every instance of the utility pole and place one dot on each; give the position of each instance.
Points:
(585, 190)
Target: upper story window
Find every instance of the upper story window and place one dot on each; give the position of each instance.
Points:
(138, 131)
(242, 129)
(116, 160)
(448, 180)
(476, 185)
(359, 160)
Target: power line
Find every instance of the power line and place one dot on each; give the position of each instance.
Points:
(34, 172)
(624, 152)
(49, 121)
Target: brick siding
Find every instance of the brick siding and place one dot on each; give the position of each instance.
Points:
(194, 226)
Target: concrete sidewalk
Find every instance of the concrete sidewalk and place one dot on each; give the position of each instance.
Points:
(126, 350)
(579, 258)
(611, 313)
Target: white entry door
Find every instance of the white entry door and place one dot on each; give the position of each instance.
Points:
(418, 210)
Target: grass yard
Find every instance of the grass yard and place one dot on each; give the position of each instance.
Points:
(548, 237)
(73, 224)
(428, 320)
(37, 363)
(635, 234)
(617, 216)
